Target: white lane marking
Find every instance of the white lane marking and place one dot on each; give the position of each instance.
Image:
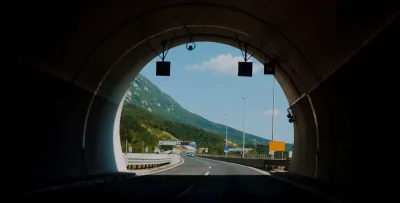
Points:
(185, 191)
(183, 161)
(209, 167)
(206, 174)
(258, 170)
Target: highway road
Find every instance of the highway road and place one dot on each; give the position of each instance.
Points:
(196, 180)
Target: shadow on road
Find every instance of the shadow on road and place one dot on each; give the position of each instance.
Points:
(192, 188)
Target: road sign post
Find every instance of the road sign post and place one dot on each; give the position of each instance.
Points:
(147, 149)
(126, 143)
(226, 149)
(126, 146)
(271, 154)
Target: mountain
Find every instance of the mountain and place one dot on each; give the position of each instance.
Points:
(142, 128)
(143, 93)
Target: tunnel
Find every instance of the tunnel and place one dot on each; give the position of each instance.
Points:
(70, 65)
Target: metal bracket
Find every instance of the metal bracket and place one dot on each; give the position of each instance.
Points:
(164, 52)
(244, 54)
(241, 50)
(188, 46)
(188, 33)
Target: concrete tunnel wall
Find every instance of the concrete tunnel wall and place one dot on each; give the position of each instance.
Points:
(63, 72)
(119, 157)
(335, 102)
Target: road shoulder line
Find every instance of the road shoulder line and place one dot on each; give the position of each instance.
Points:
(258, 170)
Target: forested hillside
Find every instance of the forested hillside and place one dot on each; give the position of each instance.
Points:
(145, 129)
(143, 93)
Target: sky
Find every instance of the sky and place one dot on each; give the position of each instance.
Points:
(205, 82)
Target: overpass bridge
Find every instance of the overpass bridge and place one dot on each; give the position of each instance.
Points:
(74, 63)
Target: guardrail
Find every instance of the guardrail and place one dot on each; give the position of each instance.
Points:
(265, 164)
(248, 156)
(142, 161)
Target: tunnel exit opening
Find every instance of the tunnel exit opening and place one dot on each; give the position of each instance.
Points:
(127, 66)
(139, 86)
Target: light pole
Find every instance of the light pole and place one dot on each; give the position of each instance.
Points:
(273, 109)
(273, 115)
(244, 134)
(226, 133)
(126, 144)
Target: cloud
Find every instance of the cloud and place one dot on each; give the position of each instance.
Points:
(269, 112)
(224, 64)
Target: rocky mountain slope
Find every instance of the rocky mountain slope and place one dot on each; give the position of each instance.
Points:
(143, 93)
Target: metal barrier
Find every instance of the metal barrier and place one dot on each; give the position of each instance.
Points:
(247, 156)
(141, 161)
(265, 164)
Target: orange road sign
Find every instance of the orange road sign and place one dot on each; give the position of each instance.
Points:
(276, 146)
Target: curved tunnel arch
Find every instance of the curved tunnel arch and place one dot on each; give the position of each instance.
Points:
(279, 46)
(134, 57)
(125, 78)
(122, 74)
(79, 60)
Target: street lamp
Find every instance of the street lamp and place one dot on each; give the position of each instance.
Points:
(272, 153)
(244, 134)
(226, 132)
(126, 144)
(273, 109)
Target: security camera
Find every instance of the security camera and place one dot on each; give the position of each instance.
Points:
(190, 46)
(290, 116)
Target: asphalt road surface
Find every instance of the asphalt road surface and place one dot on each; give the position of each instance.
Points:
(196, 180)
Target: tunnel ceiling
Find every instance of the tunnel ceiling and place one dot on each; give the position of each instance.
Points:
(106, 43)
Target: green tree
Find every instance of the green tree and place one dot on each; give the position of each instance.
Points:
(133, 118)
